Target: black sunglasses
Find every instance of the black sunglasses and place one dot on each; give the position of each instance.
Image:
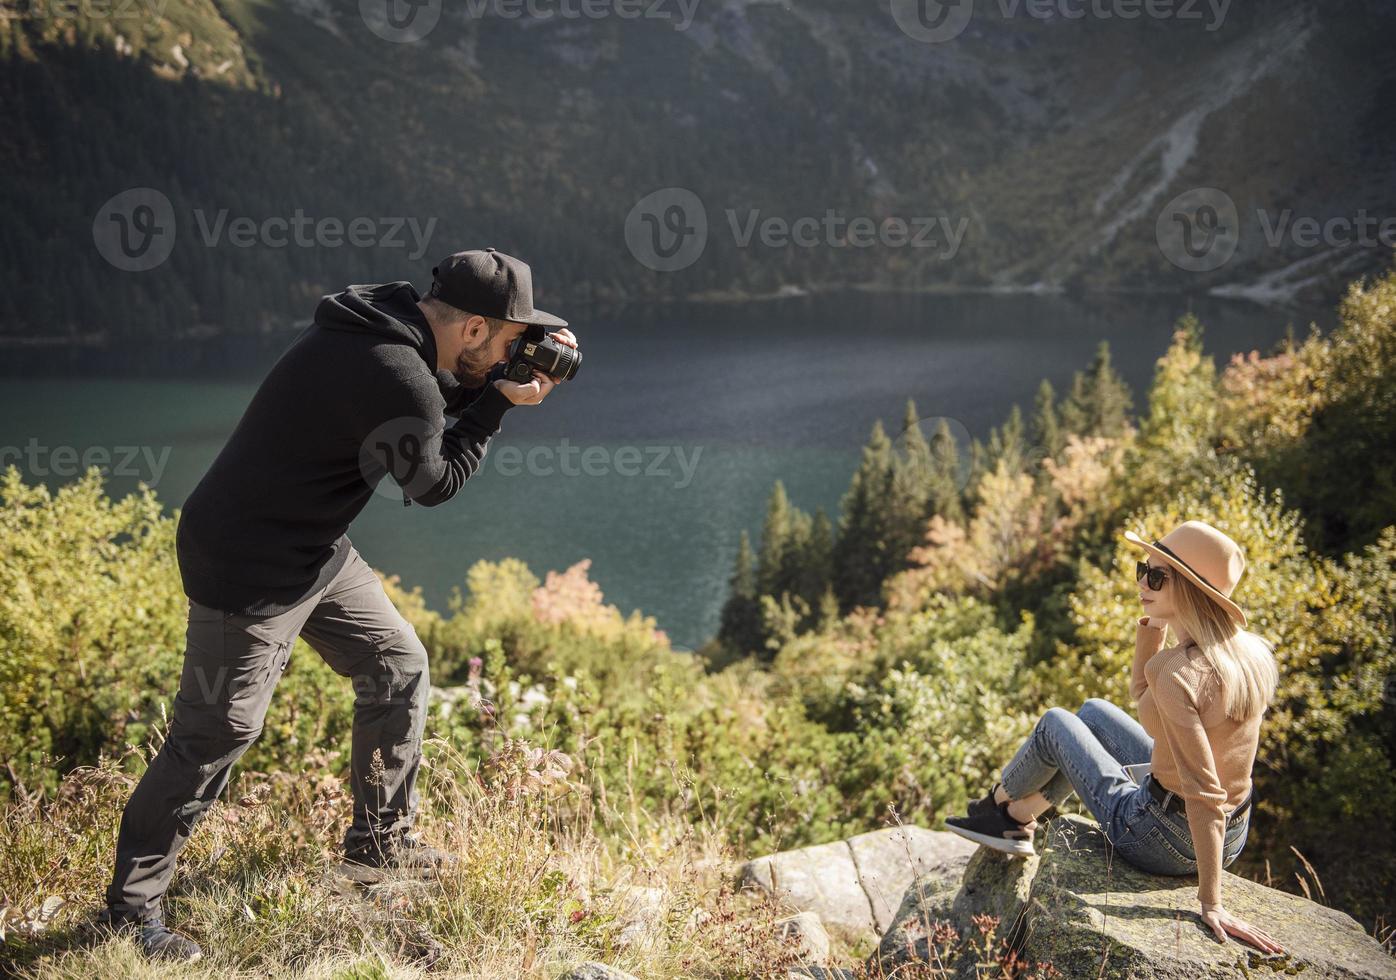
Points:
(1156, 574)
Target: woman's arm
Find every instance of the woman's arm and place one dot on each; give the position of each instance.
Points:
(1179, 704)
(1199, 783)
(1148, 640)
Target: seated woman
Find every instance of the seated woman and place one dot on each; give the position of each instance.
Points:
(1200, 701)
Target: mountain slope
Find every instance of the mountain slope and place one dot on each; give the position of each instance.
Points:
(1046, 149)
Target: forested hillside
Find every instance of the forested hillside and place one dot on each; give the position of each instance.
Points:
(1051, 166)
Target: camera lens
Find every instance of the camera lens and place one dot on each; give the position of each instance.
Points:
(568, 361)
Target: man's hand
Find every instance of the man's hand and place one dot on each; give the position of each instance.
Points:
(1223, 924)
(536, 390)
(527, 394)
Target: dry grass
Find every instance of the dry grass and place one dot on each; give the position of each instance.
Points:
(545, 884)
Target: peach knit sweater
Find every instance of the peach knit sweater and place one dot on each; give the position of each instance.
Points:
(1199, 753)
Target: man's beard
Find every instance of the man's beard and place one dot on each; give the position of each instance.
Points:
(473, 365)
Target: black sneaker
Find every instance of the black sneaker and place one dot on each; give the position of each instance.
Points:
(985, 803)
(991, 826)
(156, 940)
(405, 856)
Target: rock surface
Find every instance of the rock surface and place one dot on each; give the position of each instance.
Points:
(807, 938)
(596, 971)
(857, 883)
(1088, 910)
(1089, 914)
(993, 884)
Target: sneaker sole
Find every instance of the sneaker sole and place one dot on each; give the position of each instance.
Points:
(1015, 848)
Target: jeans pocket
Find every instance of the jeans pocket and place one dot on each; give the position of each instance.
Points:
(1150, 846)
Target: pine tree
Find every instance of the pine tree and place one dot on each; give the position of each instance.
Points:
(861, 560)
(817, 562)
(739, 629)
(944, 496)
(775, 535)
(1045, 431)
(1100, 401)
(1007, 444)
(1183, 414)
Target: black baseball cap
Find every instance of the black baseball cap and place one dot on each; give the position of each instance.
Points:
(490, 283)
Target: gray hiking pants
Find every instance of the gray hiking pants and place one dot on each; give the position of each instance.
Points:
(231, 665)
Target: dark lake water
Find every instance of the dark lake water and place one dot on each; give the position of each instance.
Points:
(664, 447)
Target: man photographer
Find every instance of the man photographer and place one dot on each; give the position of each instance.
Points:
(361, 394)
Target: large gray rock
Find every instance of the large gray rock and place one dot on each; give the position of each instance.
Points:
(856, 883)
(1093, 916)
(596, 971)
(888, 861)
(993, 884)
(804, 936)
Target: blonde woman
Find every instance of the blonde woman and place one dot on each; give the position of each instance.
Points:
(1200, 702)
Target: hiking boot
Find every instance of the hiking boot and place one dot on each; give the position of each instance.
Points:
(991, 826)
(156, 940)
(405, 856)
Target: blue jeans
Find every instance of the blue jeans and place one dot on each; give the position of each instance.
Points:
(1086, 753)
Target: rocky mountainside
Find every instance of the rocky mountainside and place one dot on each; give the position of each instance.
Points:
(289, 147)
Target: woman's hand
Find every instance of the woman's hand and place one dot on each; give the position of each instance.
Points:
(1223, 924)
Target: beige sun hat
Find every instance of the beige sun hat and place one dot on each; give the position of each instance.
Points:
(1211, 560)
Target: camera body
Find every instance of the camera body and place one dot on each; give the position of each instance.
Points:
(535, 349)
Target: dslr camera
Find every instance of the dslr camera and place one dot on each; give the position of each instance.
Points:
(535, 349)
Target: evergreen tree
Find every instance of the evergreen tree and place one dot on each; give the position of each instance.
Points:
(817, 561)
(861, 553)
(1100, 401)
(1183, 398)
(944, 494)
(1045, 432)
(775, 539)
(740, 625)
(1008, 444)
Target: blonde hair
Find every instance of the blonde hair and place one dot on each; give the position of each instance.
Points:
(1243, 661)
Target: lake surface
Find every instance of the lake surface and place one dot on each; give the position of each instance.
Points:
(663, 448)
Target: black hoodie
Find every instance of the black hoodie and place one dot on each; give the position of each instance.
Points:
(355, 397)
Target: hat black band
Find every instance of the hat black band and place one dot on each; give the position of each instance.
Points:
(1201, 578)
